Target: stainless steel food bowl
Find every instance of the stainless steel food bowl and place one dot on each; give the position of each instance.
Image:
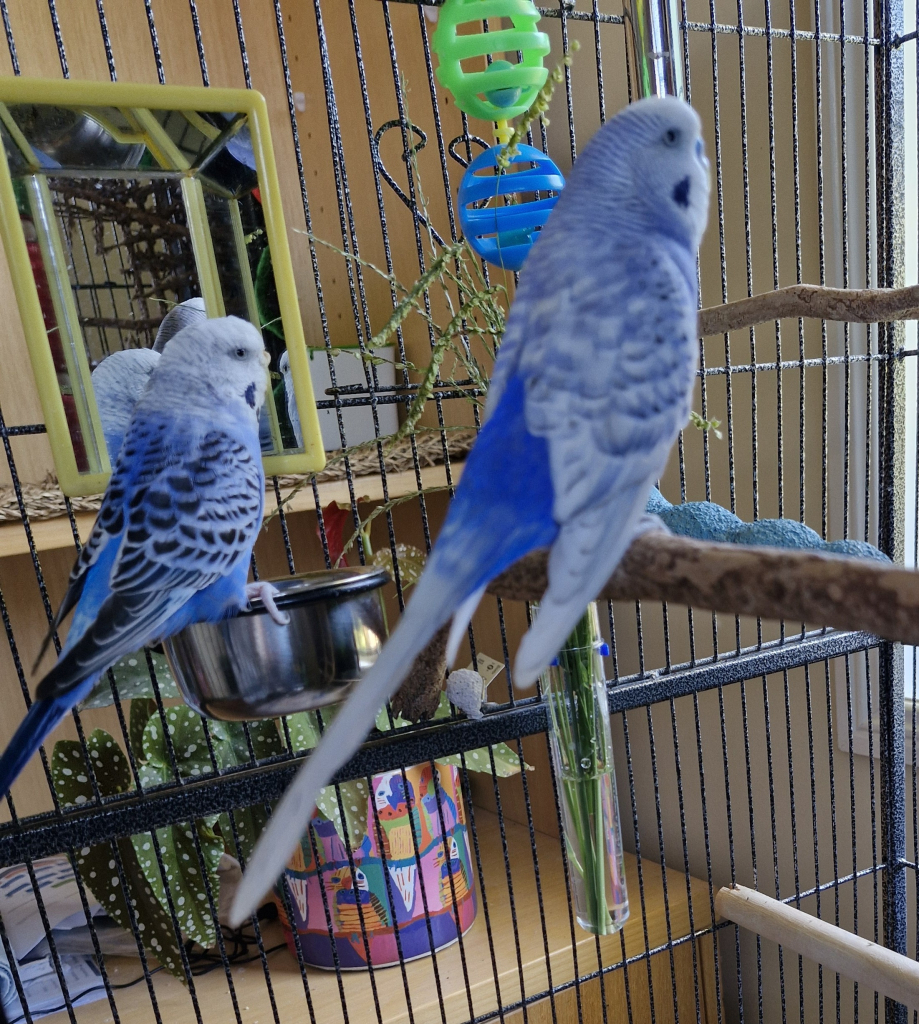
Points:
(249, 667)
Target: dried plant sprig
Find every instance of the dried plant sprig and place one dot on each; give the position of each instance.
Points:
(388, 506)
(391, 278)
(537, 109)
(418, 288)
(705, 425)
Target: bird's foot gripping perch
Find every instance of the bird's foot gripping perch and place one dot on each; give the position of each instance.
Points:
(266, 593)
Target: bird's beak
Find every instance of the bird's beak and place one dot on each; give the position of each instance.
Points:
(266, 359)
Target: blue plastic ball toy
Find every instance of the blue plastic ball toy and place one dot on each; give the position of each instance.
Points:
(502, 98)
(502, 235)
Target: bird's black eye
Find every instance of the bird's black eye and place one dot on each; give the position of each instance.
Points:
(240, 353)
(671, 137)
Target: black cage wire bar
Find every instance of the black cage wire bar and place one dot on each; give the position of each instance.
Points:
(768, 754)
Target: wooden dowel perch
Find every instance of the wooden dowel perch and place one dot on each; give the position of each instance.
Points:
(773, 583)
(860, 306)
(879, 969)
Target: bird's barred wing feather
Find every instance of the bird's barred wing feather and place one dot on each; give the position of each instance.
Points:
(189, 520)
(183, 514)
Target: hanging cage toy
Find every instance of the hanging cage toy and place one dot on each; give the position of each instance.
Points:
(503, 235)
(502, 90)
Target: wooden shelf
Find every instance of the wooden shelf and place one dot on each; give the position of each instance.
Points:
(488, 986)
(56, 534)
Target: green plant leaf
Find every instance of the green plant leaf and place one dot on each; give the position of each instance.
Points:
(188, 741)
(154, 926)
(250, 823)
(233, 749)
(507, 762)
(97, 864)
(183, 873)
(266, 740)
(70, 776)
(141, 710)
(354, 802)
(132, 681)
(411, 563)
(304, 730)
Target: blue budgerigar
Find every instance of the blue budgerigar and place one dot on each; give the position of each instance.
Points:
(591, 387)
(174, 536)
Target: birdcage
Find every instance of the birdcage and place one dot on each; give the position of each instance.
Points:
(772, 754)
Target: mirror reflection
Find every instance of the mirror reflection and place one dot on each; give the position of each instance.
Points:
(137, 223)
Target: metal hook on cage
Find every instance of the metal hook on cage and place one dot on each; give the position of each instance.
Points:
(467, 139)
(407, 155)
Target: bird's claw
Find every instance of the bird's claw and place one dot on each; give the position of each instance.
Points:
(266, 593)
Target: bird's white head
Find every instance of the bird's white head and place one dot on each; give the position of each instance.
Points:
(646, 169)
(226, 356)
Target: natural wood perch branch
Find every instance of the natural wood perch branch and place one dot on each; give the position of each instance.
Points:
(773, 583)
(859, 306)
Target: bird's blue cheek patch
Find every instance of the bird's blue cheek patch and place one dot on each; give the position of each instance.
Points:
(681, 193)
(250, 395)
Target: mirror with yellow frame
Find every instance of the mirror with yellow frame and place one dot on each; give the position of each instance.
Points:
(128, 212)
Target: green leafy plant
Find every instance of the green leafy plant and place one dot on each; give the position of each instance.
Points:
(166, 879)
(132, 681)
(695, 420)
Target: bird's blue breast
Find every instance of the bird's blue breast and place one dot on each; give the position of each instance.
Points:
(506, 492)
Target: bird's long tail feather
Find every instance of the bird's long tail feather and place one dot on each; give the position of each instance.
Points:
(428, 610)
(461, 619)
(43, 716)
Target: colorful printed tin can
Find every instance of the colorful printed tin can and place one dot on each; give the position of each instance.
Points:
(393, 883)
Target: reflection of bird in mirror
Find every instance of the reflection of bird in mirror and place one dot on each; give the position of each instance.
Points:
(155, 560)
(118, 382)
(292, 414)
(186, 313)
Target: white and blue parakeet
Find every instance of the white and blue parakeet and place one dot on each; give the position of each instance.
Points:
(174, 536)
(292, 414)
(118, 382)
(592, 385)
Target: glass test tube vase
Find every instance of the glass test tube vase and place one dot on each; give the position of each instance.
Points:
(574, 690)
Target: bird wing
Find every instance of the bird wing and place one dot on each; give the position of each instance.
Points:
(610, 375)
(184, 511)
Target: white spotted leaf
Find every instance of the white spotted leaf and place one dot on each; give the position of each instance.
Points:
(132, 681)
(183, 868)
(97, 864)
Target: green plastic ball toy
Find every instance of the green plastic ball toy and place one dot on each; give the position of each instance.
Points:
(502, 90)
